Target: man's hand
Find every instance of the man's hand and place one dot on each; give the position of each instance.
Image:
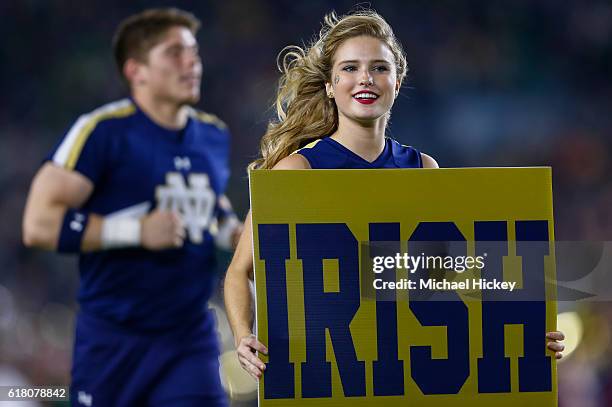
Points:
(162, 230)
(249, 361)
(554, 345)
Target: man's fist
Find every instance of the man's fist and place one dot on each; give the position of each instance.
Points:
(162, 230)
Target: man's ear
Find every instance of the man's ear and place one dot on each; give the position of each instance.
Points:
(133, 72)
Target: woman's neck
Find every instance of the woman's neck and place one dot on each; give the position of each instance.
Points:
(365, 140)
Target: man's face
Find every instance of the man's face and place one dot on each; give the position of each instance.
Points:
(173, 69)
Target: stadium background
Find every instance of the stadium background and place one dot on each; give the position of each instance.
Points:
(491, 83)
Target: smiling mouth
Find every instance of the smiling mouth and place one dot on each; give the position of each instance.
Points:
(365, 97)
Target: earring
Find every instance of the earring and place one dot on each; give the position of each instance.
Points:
(330, 94)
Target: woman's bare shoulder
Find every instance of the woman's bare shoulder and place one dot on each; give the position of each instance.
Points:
(294, 161)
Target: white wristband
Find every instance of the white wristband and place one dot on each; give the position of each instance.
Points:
(120, 233)
(224, 238)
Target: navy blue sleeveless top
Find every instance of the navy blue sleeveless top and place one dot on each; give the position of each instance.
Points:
(327, 153)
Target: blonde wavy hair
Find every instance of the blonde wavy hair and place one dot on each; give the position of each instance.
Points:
(304, 111)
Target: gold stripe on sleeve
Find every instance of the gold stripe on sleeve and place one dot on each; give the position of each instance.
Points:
(87, 129)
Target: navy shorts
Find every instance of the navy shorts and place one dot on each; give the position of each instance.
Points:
(115, 367)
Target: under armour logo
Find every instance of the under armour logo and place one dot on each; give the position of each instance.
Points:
(77, 224)
(195, 202)
(85, 398)
(182, 163)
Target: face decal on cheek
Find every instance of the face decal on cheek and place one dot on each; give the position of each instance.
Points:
(336, 79)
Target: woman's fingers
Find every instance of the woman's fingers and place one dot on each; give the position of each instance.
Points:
(556, 346)
(255, 344)
(555, 336)
(247, 357)
(247, 365)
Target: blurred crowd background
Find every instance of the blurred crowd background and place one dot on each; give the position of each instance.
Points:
(491, 83)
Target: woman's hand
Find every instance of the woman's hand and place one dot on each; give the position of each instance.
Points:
(555, 346)
(249, 361)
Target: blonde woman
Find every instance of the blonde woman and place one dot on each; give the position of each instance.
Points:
(333, 105)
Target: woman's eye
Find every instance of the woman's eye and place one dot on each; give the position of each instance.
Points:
(381, 68)
(349, 68)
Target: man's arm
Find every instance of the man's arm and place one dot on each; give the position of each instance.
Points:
(55, 190)
(229, 226)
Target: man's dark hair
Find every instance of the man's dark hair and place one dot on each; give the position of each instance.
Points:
(137, 34)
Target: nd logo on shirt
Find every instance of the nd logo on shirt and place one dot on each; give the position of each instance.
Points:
(194, 200)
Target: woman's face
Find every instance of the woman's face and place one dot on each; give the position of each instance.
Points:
(364, 79)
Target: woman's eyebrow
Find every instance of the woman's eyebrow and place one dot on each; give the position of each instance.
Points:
(355, 61)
